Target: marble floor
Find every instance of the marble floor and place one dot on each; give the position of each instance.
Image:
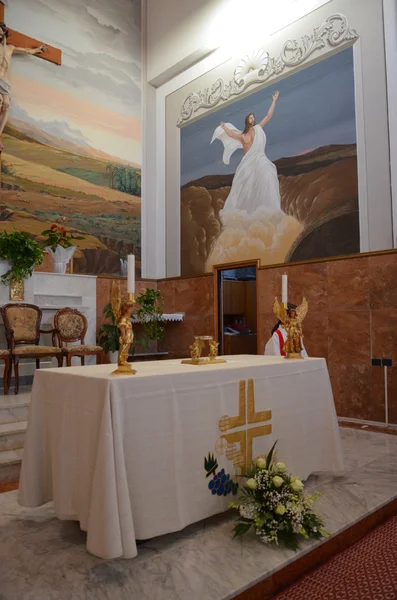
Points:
(42, 558)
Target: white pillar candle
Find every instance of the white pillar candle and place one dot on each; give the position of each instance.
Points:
(284, 288)
(131, 274)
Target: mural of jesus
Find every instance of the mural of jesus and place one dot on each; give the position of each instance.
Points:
(255, 189)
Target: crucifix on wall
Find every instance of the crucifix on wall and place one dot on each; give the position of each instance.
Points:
(13, 42)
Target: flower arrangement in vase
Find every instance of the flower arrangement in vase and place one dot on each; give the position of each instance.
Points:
(58, 244)
(274, 504)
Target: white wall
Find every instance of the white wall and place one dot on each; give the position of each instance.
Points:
(390, 18)
(179, 33)
(176, 30)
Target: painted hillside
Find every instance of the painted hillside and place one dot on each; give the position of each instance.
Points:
(318, 189)
(47, 179)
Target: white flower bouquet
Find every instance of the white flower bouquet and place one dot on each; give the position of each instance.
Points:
(273, 502)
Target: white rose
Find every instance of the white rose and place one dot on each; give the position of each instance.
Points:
(297, 485)
(280, 466)
(278, 481)
(251, 484)
(280, 510)
(260, 463)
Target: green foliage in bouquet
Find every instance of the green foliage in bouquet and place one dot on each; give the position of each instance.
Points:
(59, 236)
(273, 502)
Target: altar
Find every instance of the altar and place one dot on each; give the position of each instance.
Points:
(132, 458)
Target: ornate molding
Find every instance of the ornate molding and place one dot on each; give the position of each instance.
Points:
(260, 66)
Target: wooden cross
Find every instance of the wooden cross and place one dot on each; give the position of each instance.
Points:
(53, 55)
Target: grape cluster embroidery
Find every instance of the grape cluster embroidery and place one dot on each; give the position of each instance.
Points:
(221, 483)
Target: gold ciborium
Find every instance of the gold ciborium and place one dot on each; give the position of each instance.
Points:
(292, 322)
(123, 311)
(196, 349)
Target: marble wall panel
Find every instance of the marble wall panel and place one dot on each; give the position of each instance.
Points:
(193, 296)
(392, 393)
(348, 287)
(384, 332)
(359, 392)
(349, 337)
(383, 281)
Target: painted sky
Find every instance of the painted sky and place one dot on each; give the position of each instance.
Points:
(315, 108)
(94, 98)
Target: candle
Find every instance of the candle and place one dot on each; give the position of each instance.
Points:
(131, 274)
(284, 288)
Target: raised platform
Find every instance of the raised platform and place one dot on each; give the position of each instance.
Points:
(40, 555)
(13, 423)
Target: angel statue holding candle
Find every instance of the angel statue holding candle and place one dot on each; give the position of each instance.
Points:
(292, 319)
(123, 311)
(126, 334)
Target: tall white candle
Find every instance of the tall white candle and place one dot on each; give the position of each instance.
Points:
(131, 274)
(284, 288)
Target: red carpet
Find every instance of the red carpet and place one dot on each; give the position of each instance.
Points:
(365, 571)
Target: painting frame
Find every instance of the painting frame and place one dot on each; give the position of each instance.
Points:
(374, 220)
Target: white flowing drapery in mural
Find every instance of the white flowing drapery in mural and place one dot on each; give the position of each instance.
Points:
(255, 189)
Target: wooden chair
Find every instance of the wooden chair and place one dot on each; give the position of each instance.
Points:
(22, 328)
(6, 356)
(71, 326)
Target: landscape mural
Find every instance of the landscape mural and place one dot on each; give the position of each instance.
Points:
(72, 144)
(293, 194)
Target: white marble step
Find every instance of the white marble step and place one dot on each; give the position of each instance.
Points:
(12, 435)
(14, 408)
(11, 457)
(10, 465)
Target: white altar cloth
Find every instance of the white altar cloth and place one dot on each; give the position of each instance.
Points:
(124, 456)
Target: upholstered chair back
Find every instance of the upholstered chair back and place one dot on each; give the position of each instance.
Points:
(71, 325)
(24, 320)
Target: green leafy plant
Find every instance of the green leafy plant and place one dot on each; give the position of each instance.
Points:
(150, 313)
(58, 236)
(109, 333)
(22, 252)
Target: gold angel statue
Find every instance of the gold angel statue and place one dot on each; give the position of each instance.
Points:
(123, 311)
(213, 349)
(292, 320)
(195, 349)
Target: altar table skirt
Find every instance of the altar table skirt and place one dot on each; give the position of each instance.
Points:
(128, 457)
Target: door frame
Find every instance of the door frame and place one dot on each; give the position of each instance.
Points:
(225, 267)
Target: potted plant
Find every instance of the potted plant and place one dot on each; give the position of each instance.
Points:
(108, 334)
(58, 244)
(22, 254)
(148, 314)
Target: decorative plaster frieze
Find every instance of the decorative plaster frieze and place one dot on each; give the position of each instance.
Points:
(259, 67)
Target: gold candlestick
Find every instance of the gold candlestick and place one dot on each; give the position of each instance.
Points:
(292, 323)
(123, 312)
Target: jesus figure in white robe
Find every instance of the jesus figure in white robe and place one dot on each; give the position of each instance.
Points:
(255, 189)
